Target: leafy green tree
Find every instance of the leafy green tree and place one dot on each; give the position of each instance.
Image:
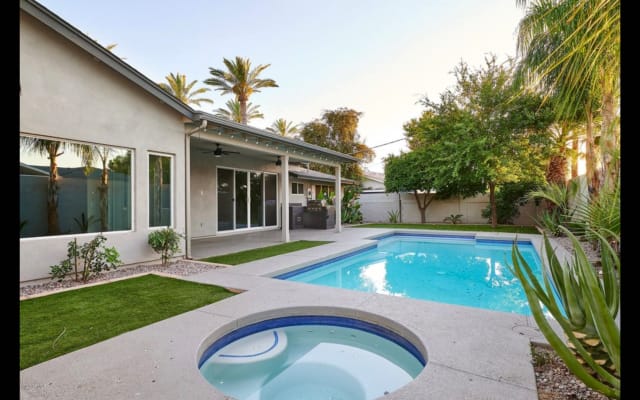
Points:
(417, 172)
(283, 127)
(571, 50)
(338, 130)
(411, 172)
(121, 164)
(485, 131)
(233, 112)
(240, 80)
(177, 85)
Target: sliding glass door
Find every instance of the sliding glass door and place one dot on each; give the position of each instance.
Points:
(225, 200)
(246, 199)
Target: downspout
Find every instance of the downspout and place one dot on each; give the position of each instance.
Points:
(187, 187)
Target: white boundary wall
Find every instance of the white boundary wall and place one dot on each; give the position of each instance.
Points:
(375, 207)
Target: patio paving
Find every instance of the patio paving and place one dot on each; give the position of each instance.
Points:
(471, 353)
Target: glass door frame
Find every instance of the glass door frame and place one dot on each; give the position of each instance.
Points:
(248, 203)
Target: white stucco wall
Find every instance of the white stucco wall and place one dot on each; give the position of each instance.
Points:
(67, 94)
(375, 207)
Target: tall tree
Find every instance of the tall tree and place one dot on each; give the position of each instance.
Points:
(338, 130)
(177, 85)
(52, 149)
(233, 112)
(89, 155)
(284, 127)
(240, 80)
(571, 49)
(414, 172)
(484, 131)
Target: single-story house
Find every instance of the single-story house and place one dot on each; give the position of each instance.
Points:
(156, 162)
(372, 182)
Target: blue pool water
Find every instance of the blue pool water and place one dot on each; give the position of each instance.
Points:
(447, 269)
(311, 358)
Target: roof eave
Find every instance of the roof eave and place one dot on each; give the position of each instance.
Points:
(264, 134)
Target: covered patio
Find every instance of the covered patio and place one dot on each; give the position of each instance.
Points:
(225, 244)
(237, 184)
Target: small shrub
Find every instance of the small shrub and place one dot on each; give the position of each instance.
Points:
(165, 242)
(394, 216)
(453, 218)
(509, 198)
(86, 260)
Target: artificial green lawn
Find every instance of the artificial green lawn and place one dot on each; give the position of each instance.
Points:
(53, 325)
(263, 252)
(456, 227)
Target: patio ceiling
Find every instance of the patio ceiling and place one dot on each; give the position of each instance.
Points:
(206, 130)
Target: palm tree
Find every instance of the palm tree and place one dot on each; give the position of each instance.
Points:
(177, 86)
(52, 149)
(240, 80)
(233, 112)
(89, 153)
(571, 49)
(284, 127)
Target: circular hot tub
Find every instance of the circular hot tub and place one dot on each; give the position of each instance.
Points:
(310, 357)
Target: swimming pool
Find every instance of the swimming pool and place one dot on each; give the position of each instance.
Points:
(312, 357)
(453, 269)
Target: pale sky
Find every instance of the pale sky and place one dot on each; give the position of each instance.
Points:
(377, 57)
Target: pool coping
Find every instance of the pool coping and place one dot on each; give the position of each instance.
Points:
(471, 353)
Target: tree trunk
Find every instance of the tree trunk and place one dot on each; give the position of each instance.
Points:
(492, 201)
(53, 223)
(422, 205)
(557, 169)
(243, 109)
(593, 179)
(104, 191)
(609, 142)
(157, 192)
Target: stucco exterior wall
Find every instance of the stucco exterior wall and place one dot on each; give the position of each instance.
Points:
(67, 94)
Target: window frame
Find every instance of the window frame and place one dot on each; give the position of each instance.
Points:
(171, 190)
(132, 185)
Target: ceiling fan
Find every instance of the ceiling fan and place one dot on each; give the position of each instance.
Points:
(218, 152)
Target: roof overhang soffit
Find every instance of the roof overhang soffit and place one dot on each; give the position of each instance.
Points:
(224, 131)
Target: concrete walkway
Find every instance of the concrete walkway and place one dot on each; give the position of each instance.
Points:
(471, 353)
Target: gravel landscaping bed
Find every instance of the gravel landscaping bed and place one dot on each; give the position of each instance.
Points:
(178, 268)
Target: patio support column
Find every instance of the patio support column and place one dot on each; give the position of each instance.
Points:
(338, 200)
(187, 196)
(284, 219)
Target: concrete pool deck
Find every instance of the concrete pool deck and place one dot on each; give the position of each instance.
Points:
(471, 353)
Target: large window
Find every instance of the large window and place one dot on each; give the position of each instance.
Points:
(160, 190)
(246, 199)
(69, 187)
(297, 188)
(324, 192)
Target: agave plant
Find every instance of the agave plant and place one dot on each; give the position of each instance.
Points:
(586, 311)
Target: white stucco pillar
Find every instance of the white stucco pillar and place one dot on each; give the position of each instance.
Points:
(338, 201)
(285, 199)
(187, 196)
